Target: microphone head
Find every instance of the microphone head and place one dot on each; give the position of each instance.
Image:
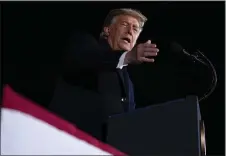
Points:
(176, 47)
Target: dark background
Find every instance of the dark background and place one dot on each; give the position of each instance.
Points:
(34, 35)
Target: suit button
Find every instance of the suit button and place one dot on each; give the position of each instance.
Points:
(123, 99)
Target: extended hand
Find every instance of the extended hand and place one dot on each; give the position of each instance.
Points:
(142, 53)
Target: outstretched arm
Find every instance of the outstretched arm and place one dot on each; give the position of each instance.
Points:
(85, 52)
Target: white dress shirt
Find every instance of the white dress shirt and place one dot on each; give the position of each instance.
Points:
(121, 61)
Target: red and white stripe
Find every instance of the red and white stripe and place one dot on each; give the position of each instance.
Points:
(28, 129)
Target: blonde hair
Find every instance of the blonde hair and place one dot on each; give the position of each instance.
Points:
(123, 11)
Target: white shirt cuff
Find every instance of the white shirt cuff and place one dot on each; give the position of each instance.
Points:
(121, 61)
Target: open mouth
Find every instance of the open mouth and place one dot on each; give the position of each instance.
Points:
(126, 39)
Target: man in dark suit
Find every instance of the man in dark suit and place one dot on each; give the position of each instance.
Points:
(95, 83)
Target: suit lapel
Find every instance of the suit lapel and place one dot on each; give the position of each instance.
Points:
(129, 90)
(122, 76)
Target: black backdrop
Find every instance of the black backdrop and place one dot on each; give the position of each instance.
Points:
(34, 34)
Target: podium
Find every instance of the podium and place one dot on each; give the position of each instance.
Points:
(172, 128)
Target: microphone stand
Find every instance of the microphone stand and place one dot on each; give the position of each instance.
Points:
(199, 56)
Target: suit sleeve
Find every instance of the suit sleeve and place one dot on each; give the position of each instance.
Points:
(85, 52)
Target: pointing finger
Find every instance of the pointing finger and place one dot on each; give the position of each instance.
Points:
(151, 50)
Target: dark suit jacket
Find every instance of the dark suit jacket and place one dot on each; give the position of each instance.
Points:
(91, 87)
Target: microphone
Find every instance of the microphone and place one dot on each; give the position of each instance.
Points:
(176, 47)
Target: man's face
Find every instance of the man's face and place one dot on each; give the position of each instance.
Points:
(123, 32)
